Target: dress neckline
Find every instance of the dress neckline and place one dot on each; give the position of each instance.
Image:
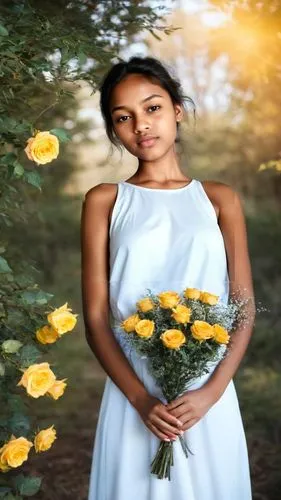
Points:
(186, 186)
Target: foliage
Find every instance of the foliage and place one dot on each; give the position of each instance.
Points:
(46, 48)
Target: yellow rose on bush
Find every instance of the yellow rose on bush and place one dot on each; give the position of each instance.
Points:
(201, 330)
(209, 298)
(42, 148)
(4, 467)
(129, 324)
(44, 439)
(14, 453)
(192, 293)
(57, 389)
(173, 338)
(47, 335)
(37, 379)
(220, 334)
(145, 304)
(168, 299)
(145, 328)
(181, 314)
(62, 319)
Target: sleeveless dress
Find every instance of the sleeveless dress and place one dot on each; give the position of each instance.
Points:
(165, 239)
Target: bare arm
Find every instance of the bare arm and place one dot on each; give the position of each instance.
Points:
(95, 298)
(94, 254)
(233, 227)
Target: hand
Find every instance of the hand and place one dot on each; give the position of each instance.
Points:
(157, 418)
(191, 406)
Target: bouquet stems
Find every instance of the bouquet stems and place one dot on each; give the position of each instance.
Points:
(164, 458)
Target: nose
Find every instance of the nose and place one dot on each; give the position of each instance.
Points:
(141, 124)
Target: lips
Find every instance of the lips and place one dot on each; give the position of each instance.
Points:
(147, 141)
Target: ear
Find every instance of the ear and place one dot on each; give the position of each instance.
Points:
(178, 112)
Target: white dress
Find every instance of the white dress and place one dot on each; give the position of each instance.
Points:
(166, 239)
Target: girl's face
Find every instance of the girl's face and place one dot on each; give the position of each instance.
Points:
(141, 109)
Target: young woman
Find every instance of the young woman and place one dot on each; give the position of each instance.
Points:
(160, 230)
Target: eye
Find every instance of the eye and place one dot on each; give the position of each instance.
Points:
(155, 106)
(120, 119)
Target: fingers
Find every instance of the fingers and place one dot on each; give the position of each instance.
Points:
(171, 419)
(166, 422)
(158, 433)
(172, 432)
(190, 423)
(186, 416)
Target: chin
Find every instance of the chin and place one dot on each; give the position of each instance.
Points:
(149, 153)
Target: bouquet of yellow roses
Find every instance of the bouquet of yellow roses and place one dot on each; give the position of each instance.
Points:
(179, 334)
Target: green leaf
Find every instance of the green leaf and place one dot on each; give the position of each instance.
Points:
(15, 403)
(34, 178)
(29, 354)
(8, 159)
(2, 369)
(3, 31)
(36, 297)
(61, 134)
(19, 424)
(4, 266)
(23, 280)
(82, 58)
(27, 485)
(15, 317)
(18, 169)
(11, 346)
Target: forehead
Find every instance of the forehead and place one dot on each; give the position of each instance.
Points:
(134, 88)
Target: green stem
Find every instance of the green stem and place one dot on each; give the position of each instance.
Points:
(185, 448)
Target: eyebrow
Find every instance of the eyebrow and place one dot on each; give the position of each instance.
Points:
(144, 100)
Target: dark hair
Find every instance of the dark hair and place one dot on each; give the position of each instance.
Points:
(153, 69)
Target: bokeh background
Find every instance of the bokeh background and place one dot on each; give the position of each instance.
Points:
(227, 56)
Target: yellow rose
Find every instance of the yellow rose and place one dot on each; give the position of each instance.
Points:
(57, 389)
(47, 335)
(42, 148)
(173, 338)
(129, 324)
(37, 379)
(181, 314)
(4, 467)
(62, 319)
(220, 334)
(145, 304)
(15, 452)
(209, 298)
(168, 299)
(192, 293)
(201, 330)
(145, 328)
(44, 439)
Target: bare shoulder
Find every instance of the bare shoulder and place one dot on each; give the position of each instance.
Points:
(217, 188)
(100, 192)
(221, 194)
(101, 197)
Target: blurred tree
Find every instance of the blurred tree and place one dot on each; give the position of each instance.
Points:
(250, 39)
(47, 49)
